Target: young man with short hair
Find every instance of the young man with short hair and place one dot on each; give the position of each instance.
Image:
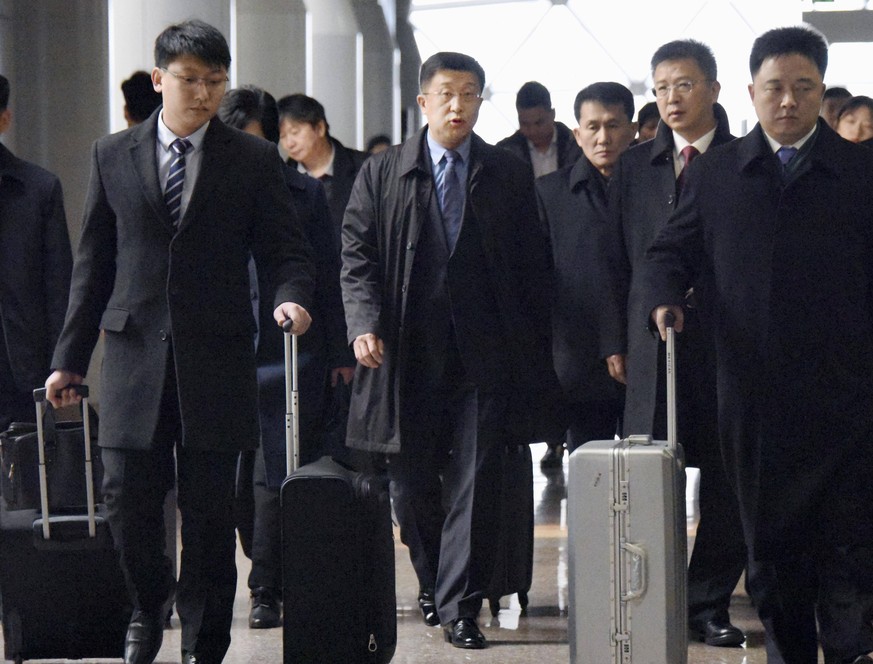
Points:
(175, 207)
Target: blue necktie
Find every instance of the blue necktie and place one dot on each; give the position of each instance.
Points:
(786, 154)
(451, 196)
(176, 179)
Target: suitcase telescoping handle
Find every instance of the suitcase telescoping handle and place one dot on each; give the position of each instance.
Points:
(39, 397)
(670, 321)
(292, 403)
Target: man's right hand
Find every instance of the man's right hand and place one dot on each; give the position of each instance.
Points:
(369, 350)
(57, 392)
(659, 315)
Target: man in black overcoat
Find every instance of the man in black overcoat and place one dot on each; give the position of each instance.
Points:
(35, 266)
(450, 325)
(586, 314)
(167, 281)
(643, 194)
(776, 232)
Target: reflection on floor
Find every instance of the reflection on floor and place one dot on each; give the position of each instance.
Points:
(540, 637)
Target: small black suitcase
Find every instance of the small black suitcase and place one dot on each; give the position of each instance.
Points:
(513, 565)
(62, 588)
(337, 557)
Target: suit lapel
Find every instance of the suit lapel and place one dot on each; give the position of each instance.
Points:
(214, 164)
(145, 161)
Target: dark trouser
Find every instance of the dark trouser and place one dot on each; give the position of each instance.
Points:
(134, 486)
(719, 554)
(266, 569)
(445, 486)
(592, 420)
(835, 586)
(16, 407)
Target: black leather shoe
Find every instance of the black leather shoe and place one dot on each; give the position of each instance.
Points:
(427, 606)
(863, 659)
(192, 658)
(145, 633)
(717, 633)
(464, 633)
(266, 610)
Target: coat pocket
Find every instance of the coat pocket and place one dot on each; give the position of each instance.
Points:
(114, 320)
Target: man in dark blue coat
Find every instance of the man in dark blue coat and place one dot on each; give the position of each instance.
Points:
(776, 232)
(35, 266)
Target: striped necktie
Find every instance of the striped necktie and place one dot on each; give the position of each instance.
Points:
(451, 198)
(176, 179)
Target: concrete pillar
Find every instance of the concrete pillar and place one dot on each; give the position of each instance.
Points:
(334, 70)
(380, 70)
(270, 45)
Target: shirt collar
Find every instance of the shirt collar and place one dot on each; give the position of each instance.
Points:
(437, 151)
(775, 145)
(166, 136)
(702, 144)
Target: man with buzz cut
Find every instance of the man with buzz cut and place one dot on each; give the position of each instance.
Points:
(646, 186)
(446, 286)
(775, 231)
(175, 208)
(573, 205)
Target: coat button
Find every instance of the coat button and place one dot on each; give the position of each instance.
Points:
(403, 288)
(670, 199)
(164, 335)
(410, 246)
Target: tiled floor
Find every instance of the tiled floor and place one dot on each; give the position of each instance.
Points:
(539, 638)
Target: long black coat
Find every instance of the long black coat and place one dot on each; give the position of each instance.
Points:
(572, 205)
(786, 275)
(35, 266)
(148, 286)
(389, 205)
(642, 196)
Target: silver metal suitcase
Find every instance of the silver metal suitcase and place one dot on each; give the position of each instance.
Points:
(627, 546)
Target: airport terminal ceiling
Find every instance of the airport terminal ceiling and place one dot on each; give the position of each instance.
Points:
(567, 44)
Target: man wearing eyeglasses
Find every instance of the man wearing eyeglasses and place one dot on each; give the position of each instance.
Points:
(643, 193)
(446, 284)
(176, 205)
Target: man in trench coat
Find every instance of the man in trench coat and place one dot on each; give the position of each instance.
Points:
(448, 340)
(777, 230)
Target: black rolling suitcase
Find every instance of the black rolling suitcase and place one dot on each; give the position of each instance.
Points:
(337, 556)
(513, 566)
(62, 589)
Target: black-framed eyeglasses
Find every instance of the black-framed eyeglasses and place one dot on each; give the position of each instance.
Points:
(210, 82)
(681, 88)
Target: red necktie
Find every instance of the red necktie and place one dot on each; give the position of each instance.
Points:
(689, 152)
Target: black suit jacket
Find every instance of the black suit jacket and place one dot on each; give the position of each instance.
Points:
(568, 150)
(572, 205)
(151, 287)
(642, 196)
(346, 164)
(35, 266)
(786, 274)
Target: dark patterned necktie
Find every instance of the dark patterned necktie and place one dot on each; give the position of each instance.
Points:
(176, 179)
(452, 198)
